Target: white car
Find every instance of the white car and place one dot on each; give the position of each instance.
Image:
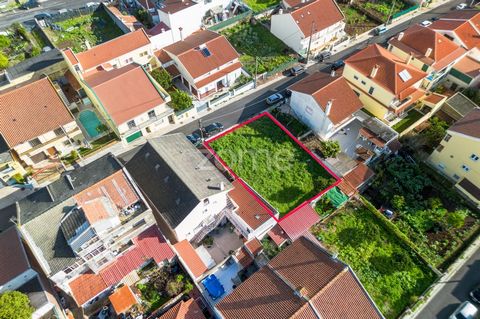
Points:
(461, 6)
(465, 311)
(426, 23)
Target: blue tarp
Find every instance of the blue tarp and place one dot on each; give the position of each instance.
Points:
(213, 286)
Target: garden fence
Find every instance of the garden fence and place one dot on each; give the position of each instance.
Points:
(73, 13)
(280, 68)
(231, 21)
(403, 12)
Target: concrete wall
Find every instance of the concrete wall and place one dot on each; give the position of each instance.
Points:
(15, 283)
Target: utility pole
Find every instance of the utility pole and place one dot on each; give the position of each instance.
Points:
(200, 128)
(256, 69)
(310, 41)
(390, 14)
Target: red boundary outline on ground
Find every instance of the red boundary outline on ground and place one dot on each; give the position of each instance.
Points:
(274, 120)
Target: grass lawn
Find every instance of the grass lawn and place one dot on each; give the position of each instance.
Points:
(260, 5)
(97, 28)
(295, 127)
(18, 44)
(256, 40)
(392, 273)
(272, 164)
(407, 121)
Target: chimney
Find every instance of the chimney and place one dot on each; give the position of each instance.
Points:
(87, 44)
(374, 71)
(280, 11)
(409, 58)
(181, 33)
(429, 51)
(257, 216)
(400, 36)
(333, 73)
(328, 107)
(162, 30)
(222, 186)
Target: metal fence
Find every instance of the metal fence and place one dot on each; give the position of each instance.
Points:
(71, 13)
(280, 68)
(231, 21)
(403, 12)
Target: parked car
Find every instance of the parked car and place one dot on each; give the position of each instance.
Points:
(29, 5)
(43, 16)
(461, 6)
(274, 98)
(104, 313)
(324, 56)
(380, 30)
(466, 310)
(213, 129)
(195, 139)
(426, 23)
(475, 294)
(337, 65)
(297, 70)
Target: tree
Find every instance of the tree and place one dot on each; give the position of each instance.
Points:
(473, 94)
(330, 148)
(436, 131)
(163, 78)
(3, 61)
(14, 304)
(398, 202)
(180, 100)
(4, 41)
(175, 286)
(143, 16)
(456, 219)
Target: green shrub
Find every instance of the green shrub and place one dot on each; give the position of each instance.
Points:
(330, 148)
(163, 78)
(180, 100)
(3, 61)
(14, 304)
(4, 41)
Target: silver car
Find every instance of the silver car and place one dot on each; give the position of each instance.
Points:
(466, 310)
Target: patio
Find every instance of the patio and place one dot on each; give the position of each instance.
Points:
(225, 240)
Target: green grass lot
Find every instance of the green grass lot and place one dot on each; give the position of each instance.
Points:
(356, 21)
(260, 5)
(392, 273)
(272, 164)
(256, 40)
(97, 28)
(406, 122)
(383, 8)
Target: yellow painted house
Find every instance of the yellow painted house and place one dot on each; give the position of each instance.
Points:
(458, 155)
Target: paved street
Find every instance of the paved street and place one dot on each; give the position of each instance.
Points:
(454, 291)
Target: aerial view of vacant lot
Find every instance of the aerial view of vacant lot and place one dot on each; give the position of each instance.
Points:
(273, 164)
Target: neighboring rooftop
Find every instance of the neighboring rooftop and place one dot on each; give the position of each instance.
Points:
(299, 222)
(37, 100)
(324, 88)
(126, 92)
(389, 68)
(469, 125)
(122, 299)
(202, 52)
(184, 310)
(13, 258)
(190, 258)
(468, 65)
(175, 176)
(301, 272)
(461, 104)
(465, 24)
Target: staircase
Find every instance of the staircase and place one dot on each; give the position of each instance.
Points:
(208, 228)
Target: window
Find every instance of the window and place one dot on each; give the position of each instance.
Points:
(151, 114)
(131, 124)
(440, 148)
(474, 157)
(129, 60)
(455, 176)
(355, 77)
(58, 131)
(34, 142)
(465, 168)
(447, 137)
(143, 53)
(370, 91)
(364, 83)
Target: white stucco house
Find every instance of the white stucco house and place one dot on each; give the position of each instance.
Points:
(303, 23)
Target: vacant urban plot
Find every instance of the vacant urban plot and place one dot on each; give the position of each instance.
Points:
(273, 164)
(261, 5)
(96, 28)
(256, 41)
(390, 271)
(16, 45)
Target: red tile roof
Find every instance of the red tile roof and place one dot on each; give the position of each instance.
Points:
(469, 125)
(158, 29)
(149, 244)
(346, 188)
(464, 23)
(435, 98)
(71, 57)
(86, 286)
(278, 235)
(126, 92)
(13, 258)
(30, 111)
(249, 208)
(112, 49)
(195, 62)
(254, 246)
(162, 56)
(174, 6)
(299, 221)
(469, 66)
(389, 67)
(184, 310)
(217, 75)
(359, 175)
(324, 87)
(190, 258)
(321, 13)
(122, 299)
(244, 257)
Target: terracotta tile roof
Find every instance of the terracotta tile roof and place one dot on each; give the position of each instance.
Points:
(346, 188)
(278, 235)
(359, 175)
(302, 268)
(377, 140)
(217, 75)
(389, 67)
(299, 222)
(469, 66)
(322, 13)
(13, 258)
(195, 62)
(71, 57)
(445, 24)
(72, 80)
(435, 98)
(254, 246)
(190, 258)
(172, 70)
(244, 257)
(112, 49)
(323, 87)
(418, 40)
(162, 56)
(99, 209)
(30, 111)
(158, 29)
(469, 36)
(122, 299)
(126, 92)
(463, 15)
(464, 23)
(184, 310)
(471, 188)
(86, 286)
(174, 6)
(249, 208)
(469, 125)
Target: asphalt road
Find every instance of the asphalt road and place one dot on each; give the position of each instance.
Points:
(255, 103)
(50, 6)
(455, 291)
